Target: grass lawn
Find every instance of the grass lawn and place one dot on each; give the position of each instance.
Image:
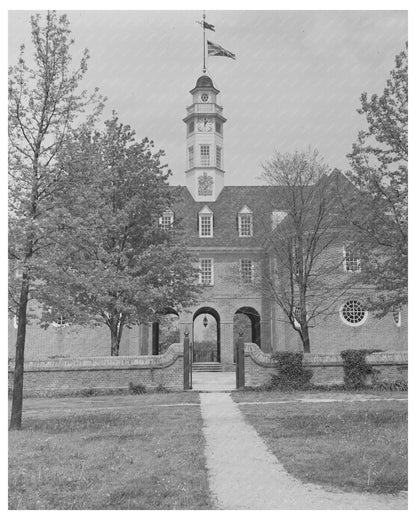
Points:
(359, 446)
(139, 454)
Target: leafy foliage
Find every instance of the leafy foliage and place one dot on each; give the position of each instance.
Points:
(115, 265)
(379, 170)
(291, 374)
(356, 369)
(44, 104)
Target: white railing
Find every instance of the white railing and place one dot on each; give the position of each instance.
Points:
(207, 108)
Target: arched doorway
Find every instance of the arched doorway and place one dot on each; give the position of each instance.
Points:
(206, 335)
(165, 332)
(246, 320)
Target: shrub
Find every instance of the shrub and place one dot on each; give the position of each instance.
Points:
(390, 386)
(356, 369)
(162, 389)
(137, 389)
(291, 374)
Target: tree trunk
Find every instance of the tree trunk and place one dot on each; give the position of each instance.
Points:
(17, 400)
(115, 342)
(305, 339)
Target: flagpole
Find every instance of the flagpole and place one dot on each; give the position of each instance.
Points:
(203, 40)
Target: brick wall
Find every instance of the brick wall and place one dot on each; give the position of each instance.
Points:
(327, 368)
(62, 376)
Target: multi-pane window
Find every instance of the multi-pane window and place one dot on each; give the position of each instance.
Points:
(61, 321)
(191, 127)
(245, 224)
(219, 156)
(353, 313)
(204, 155)
(166, 221)
(205, 225)
(352, 261)
(246, 269)
(191, 156)
(206, 273)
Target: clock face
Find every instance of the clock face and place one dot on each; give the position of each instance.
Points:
(204, 124)
(204, 97)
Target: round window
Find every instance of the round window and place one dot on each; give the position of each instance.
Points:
(353, 313)
(204, 97)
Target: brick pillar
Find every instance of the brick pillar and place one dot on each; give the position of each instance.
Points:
(145, 332)
(227, 346)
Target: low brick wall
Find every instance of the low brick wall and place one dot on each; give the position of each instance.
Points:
(327, 368)
(103, 374)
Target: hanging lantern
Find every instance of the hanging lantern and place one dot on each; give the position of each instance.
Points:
(205, 321)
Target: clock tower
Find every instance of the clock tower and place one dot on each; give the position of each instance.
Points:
(204, 142)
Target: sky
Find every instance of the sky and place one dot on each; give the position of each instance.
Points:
(296, 82)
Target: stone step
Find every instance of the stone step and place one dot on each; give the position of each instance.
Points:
(207, 367)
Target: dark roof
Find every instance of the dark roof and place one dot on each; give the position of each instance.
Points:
(204, 82)
(261, 200)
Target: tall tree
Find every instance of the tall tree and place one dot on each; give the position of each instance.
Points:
(44, 103)
(379, 170)
(304, 279)
(118, 266)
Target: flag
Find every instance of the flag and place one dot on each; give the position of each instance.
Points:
(209, 26)
(216, 50)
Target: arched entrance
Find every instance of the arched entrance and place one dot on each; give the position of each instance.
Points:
(206, 335)
(246, 320)
(165, 332)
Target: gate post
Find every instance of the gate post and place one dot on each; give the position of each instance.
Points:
(186, 361)
(240, 382)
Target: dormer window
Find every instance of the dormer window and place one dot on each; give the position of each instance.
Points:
(245, 222)
(352, 261)
(205, 218)
(166, 220)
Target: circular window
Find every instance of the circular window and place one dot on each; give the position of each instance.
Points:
(353, 313)
(204, 97)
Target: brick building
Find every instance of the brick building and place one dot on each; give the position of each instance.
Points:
(225, 226)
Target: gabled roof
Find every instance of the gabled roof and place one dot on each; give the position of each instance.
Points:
(261, 200)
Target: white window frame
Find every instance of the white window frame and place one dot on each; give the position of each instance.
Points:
(205, 159)
(345, 321)
(398, 323)
(355, 260)
(245, 212)
(242, 270)
(211, 283)
(166, 215)
(206, 213)
(61, 323)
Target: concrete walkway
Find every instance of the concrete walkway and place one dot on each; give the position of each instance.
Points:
(213, 381)
(244, 474)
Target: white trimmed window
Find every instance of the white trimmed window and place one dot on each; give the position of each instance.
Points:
(353, 313)
(204, 154)
(166, 220)
(219, 156)
(296, 313)
(352, 261)
(245, 222)
(61, 321)
(206, 271)
(206, 223)
(397, 315)
(191, 157)
(246, 270)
